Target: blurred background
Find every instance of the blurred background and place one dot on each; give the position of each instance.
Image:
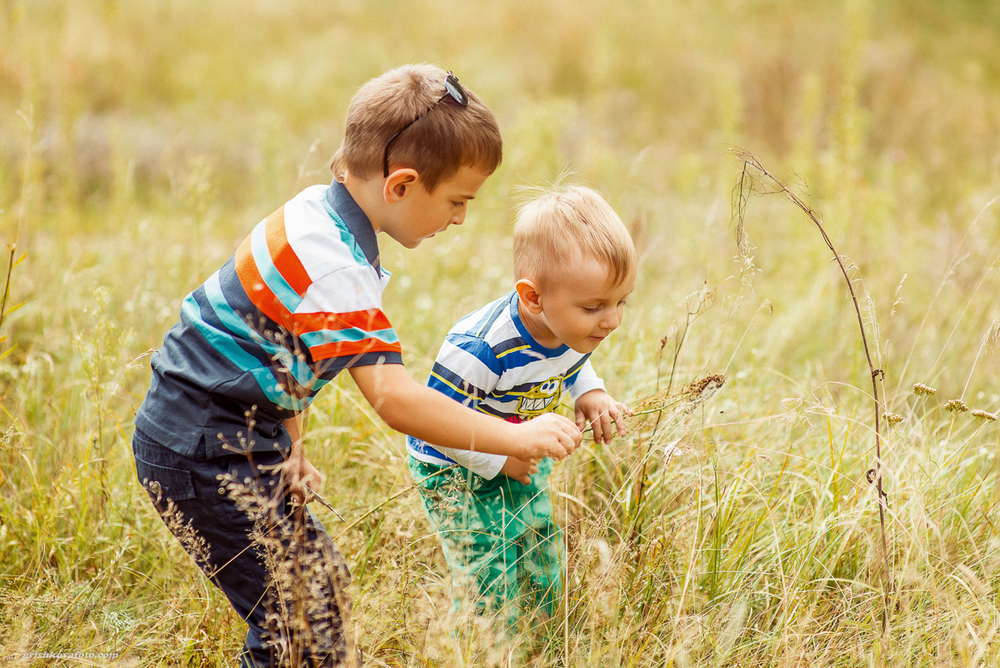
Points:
(177, 125)
(141, 140)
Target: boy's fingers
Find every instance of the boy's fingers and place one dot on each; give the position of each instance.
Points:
(569, 436)
(575, 438)
(297, 490)
(618, 413)
(606, 426)
(565, 446)
(595, 428)
(562, 440)
(313, 477)
(556, 452)
(599, 427)
(299, 476)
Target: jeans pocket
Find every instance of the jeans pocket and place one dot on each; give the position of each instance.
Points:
(163, 482)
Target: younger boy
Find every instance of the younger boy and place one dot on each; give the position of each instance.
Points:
(299, 302)
(574, 266)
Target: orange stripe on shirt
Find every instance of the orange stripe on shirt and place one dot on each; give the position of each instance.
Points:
(256, 288)
(347, 348)
(300, 323)
(282, 255)
(367, 320)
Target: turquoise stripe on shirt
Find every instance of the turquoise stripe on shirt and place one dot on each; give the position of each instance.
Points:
(275, 282)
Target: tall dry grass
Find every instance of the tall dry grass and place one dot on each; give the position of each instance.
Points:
(140, 141)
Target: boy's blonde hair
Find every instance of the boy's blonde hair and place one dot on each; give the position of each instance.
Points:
(552, 227)
(446, 138)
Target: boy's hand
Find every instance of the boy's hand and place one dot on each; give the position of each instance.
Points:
(548, 435)
(598, 410)
(298, 475)
(519, 471)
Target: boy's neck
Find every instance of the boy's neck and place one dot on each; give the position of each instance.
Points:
(536, 326)
(368, 196)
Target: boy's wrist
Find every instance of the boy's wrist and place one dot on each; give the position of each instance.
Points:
(512, 437)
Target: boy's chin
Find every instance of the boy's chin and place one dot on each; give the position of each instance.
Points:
(586, 346)
(408, 243)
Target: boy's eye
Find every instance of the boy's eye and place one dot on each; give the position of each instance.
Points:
(591, 309)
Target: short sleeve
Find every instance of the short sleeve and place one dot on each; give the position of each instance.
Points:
(584, 380)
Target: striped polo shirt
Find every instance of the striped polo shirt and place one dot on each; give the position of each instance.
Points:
(300, 301)
(491, 363)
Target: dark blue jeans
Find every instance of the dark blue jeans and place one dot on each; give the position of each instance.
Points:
(269, 558)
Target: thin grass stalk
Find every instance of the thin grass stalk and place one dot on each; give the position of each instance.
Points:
(379, 506)
(744, 189)
(22, 208)
(565, 591)
(6, 286)
(659, 359)
(678, 344)
(714, 564)
(640, 484)
(639, 487)
(639, 491)
(991, 334)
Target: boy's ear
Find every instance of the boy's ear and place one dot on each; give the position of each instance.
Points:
(399, 183)
(528, 293)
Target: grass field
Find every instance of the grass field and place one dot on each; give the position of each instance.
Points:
(140, 141)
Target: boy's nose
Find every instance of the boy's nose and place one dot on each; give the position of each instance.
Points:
(612, 320)
(458, 218)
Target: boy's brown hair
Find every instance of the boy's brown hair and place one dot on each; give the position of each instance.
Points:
(446, 138)
(551, 228)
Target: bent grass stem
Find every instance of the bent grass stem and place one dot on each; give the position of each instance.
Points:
(746, 186)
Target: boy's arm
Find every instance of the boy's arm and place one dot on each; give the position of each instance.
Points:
(425, 413)
(298, 472)
(598, 409)
(482, 464)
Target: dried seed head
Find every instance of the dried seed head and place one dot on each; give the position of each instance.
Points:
(956, 406)
(699, 391)
(893, 419)
(704, 387)
(684, 400)
(308, 578)
(922, 390)
(984, 416)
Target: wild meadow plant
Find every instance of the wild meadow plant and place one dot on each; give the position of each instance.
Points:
(756, 180)
(740, 532)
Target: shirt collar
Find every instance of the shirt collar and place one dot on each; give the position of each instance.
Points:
(357, 222)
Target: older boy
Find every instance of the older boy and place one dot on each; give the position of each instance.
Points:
(299, 302)
(574, 266)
